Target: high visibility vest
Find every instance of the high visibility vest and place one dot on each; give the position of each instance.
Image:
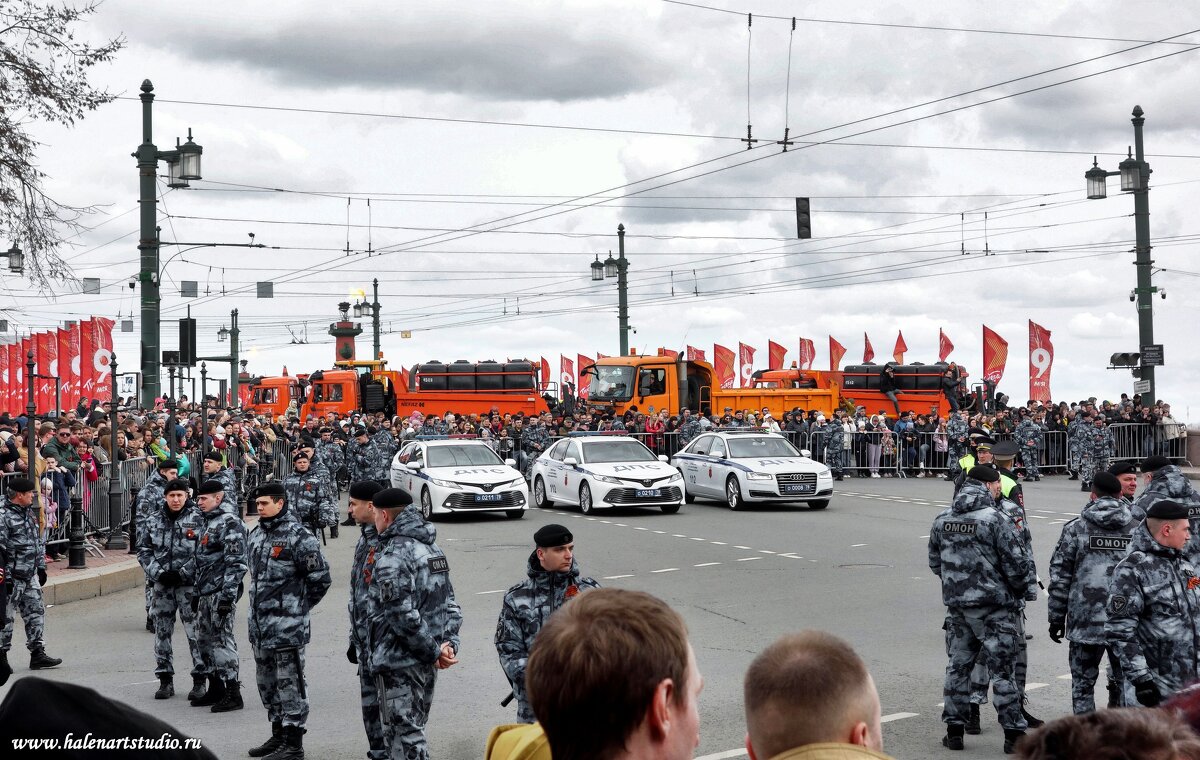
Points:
(1007, 484)
(967, 462)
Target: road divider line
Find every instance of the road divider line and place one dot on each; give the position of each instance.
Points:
(897, 716)
(706, 564)
(855, 546)
(715, 756)
(766, 551)
(665, 570)
(748, 559)
(1032, 686)
(617, 577)
(739, 546)
(1064, 677)
(496, 591)
(719, 543)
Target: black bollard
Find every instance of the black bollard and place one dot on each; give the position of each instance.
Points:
(133, 494)
(76, 554)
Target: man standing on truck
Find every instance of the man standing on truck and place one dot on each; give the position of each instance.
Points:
(887, 385)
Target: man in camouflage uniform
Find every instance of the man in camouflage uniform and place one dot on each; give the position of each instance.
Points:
(150, 500)
(1028, 436)
(689, 427)
(215, 469)
(534, 441)
(835, 443)
(220, 565)
(384, 439)
(359, 606)
(308, 495)
(365, 461)
(1099, 439)
(1075, 448)
(288, 577)
(957, 430)
(1153, 603)
(985, 570)
(1165, 481)
(24, 573)
(167, 554)
(414, 622)
(553, 581)
(1080, 572)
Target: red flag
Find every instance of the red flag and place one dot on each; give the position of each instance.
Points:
(584, 380)
(64, 368)
(901, 347)
(944, 346)
(995, 354)
(746, 358)
(87, 375)
(868, 352)
(775, 354)
(1041, 357)
(101, 357)
(47, 360)
(566, 373)
(808, 353)
(695, 355)
(836, 352)
(5, 405)
(545, 378)
(600, 356)
(723, 359)
(668, 352)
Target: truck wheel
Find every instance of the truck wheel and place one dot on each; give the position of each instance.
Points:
(733, 493)
(585, 499)
(539, 494)
(820, 504)
(426, 505)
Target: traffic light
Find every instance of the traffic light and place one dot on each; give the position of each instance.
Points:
(187, 341)
(803, 219)
(1125, 360)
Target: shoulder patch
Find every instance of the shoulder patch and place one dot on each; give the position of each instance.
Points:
(954, 526)
(439, 565)
(1109, 543)
(312, 561)
(1194, 511)
(1117, 603)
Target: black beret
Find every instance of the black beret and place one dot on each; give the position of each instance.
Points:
(552, 535)
(300, 454)
(178, 484)
(214, 456)
(1122, 468)
(360, 430)
(1154, 463)
(325, 430)
(211, 486)
(391, 498)
(168, 464)
(1167, 510)
(272, 489)
(984, 474)
(1106, 484)
(1004, 450)
(20, 485)
(307, 442)
(365, 490)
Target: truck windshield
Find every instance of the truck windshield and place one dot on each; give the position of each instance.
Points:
(457, 456)
(752, 448)
(610, 383)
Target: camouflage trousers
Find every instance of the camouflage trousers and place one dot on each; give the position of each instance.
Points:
(164, 604)
(835, 458)
(1085, 670)
(214, 637)
(26, 598)
(407, 695)
(991, 635)
(1029, 458)
(954, 454)
(1090, 465)
(981, 677)
(369, 693)
(280, 676)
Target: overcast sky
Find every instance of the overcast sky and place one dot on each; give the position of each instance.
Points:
(301, 106)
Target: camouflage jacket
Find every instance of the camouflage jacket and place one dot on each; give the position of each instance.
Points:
(228, 480)
(386, 443)
(1082, 566)
(535, 439)
(288, 577)
(168, 542)
(979, 553)
(366, 462)
(1169, 483)
(956, 432)
(1028, 434)
(688, 431)
(309, 501)
(1101, 442)
(330, 454)
(412, 607)
(1152, 622)
(526, 608)
(21, 541)
(359, 604)
(150, 499)
(835, 437)
(221, 555)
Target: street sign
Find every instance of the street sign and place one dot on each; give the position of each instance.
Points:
(127, 383)
(1141, 386)
(1152, 355)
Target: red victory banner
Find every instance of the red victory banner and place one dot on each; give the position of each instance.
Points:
(1041, 358)
(5, 379)
(836, 352)
(995, 354)
(545, 378)
(808, 353)
(87, 375)
(868, 352)
(746, 359)
(901, 347)
(944, 346)
(70, 396)
(723, 359)
(566, 373)
(584, 380)
(47, 362)
(695, 355)
(20, 356)
(101, 357)
(775, 355)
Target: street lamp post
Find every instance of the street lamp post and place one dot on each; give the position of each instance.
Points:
(31, 429)
(231, 335)
(1135, 179)
(203, 411)
(116, 509)
(16, 259)
(171, 411)
(362, 307)
(619, 268)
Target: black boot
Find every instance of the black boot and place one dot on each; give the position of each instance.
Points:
(149, 623)
(270, 745)
(333, 532)
(348, 522)
(1011, 736)
(954, 737)
(216, 690)
(197, 689)
(232, 699)
(39, 660)
(5, 669)
(1074, 476)
(292, 747)
(1032, 721)
(1114, 693)
(1085, 487)
(973, 722)
(166, 688)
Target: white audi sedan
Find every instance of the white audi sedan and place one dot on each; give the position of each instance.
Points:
(598, 470)
(459, 475)
(745, 467)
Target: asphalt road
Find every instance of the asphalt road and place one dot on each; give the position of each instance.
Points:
(741, 579)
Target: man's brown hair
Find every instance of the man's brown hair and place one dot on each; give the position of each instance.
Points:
(1113, 735)
(595, 666)
(806, 688)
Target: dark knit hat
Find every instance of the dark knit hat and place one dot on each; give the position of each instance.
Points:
(168, 464)
(984, 474)
(272, 489)
(391, 498)
(365, 490)
(552, 535)
(20, 485)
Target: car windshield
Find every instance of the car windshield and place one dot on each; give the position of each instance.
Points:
(765, 446)
(617, 451)
(458, 456)
(609, 383)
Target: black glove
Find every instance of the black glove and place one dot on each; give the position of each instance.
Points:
(1147, 692)
(195, 604)
(352, 655)
(41, 576)
(224, 607)
(10, 586)
(1057, 630)
(169, 579)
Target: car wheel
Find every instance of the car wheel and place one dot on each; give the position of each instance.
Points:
(514, 514)
(733, 493)
(585, 499)
(426, 505)
(820, 504)
(670, 509)
(539, 494)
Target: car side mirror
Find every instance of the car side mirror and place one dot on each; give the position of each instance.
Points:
(662, 458)
(571, 461)
(805, 453)
(510, 462)
(414, 466)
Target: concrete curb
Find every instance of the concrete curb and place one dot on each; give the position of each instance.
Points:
(87, 584)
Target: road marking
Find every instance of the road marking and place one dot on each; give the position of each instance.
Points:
(719, 543)
(1039, 517)
(661, 532)
(140, 683)
(678, 535)
(791, 555)
(638, 528)
(897, 716)
(497, 591)
(593, 519)
(855, 546)
(669, 570)
(1045, 511)
(1064, 677)
(607, 522)
(1059, 522)
(765, 551)
(621, 525)
(617, 577)
(1032, 686)
(748, 559)
(715, 756)
(697, 539)
(706, 564)
(923, 536)
(738, 546)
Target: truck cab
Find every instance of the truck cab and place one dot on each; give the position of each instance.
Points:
(273, 395)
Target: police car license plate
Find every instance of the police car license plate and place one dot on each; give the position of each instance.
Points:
(481, 497)
(648, 493)
(799, 488)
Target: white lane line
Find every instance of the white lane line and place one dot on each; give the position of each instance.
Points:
(1039, 517)
(143, 683)
(1032, 686)
(706, 564)
(719, 543)
(497, 591)
(621, 525)
(738, 546)
(1044, 511)
(678, 535)
(1058, 522)
(639, 528)
(697, 539)
(617, 577)
(765, 551)
(923, 536)
(607, 522)
(665, 570)
(593, 519)
(791, 555)
(897, 716)
(855, 546)
(661, 532)
(1064, 677)
(748, 559)
(715, 756)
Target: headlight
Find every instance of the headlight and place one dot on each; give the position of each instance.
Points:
(607, 479)
(517, 482)
(674, 478)
(824, 472)
(759, 476)
(444, 483)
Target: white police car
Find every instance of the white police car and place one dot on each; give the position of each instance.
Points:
(742, 467)
(599, 470)
(459, 475)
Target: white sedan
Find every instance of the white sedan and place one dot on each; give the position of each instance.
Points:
(596, 471)
(455, 475)
(744, 467)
